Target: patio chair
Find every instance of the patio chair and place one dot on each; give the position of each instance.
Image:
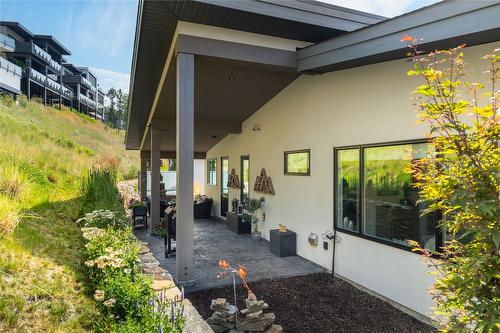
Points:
(142, 213)
(171, 229)
(203, 208)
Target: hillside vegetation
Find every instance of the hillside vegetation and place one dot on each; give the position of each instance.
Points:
(45, 153)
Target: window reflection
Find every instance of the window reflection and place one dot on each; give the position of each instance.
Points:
(391, 207)
(348, 189)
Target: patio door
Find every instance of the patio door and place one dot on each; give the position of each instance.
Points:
(224, 189)
(245, 178)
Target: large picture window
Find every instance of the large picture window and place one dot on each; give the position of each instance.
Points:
(212, 171)
(298, 162)
(375, 196)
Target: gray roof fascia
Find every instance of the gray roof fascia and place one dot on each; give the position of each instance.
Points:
(140, 5)
(18, 28)
(444, 21)
(312, 13)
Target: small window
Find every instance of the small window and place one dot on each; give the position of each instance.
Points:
(212, 171)
(298, 162)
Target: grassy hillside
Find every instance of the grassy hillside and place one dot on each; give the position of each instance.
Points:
(44, 155)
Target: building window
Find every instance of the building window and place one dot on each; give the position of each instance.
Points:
(375, 197)
(298, 162)
(245, 178)
(348, 188)
(212, 171)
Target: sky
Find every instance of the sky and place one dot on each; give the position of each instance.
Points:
(100, 33)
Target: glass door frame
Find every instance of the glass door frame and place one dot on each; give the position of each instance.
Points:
(222, 185)
(244, 158)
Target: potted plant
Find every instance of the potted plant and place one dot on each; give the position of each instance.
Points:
(253, 213)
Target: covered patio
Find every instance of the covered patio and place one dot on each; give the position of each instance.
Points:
(213, 241)
(195, 84)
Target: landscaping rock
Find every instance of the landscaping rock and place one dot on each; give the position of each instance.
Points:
(148, 258)
(163, 284)
(144, 249)
(226, 317)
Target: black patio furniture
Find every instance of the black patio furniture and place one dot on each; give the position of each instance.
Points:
(203, 208)
(140, 213)
(171, 230)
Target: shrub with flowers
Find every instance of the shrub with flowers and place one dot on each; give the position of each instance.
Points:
(103, 218)
(124, 296)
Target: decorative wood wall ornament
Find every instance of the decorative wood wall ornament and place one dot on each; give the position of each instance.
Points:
(233, 180)
(263, 183)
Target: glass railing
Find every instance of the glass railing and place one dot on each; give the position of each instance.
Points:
(88, 84)
(53, 84)
(10, 67)
(7, 41)
(87, 100)
(34, 74)
(55, 65)
(67, 92)
(41, 53)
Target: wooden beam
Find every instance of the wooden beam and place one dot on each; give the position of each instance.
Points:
(172, 155)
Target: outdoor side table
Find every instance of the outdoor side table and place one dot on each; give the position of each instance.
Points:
(283, 244)
(235, 223)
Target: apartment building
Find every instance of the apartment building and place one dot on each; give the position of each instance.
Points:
(35, 65)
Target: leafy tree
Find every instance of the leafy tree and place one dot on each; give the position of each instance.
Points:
(462, 182)
(112, 114)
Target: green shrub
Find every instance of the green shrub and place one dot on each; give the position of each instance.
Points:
(100, 192)
(103, 219)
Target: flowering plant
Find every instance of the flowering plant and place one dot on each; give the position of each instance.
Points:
(102, 218)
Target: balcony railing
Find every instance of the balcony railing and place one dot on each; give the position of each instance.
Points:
(53, 85)
(87, 100)
(10, 67)
(67, 92)
(55, 65)
(37, 76)
(88, 84)
(41, 53)
(7, 42)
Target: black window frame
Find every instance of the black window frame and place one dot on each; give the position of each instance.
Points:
(361, 214)
(208, 171)
(285, 165)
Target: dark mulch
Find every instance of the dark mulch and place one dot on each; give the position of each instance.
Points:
(318, 303)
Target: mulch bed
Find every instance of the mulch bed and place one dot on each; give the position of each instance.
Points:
(318, 303)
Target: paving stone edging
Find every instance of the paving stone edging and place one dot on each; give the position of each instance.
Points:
(162, 280)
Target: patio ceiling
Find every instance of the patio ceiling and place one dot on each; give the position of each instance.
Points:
(227, 91)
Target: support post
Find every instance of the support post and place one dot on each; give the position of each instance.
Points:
(185, 166)
(155, 178)
(143, 178)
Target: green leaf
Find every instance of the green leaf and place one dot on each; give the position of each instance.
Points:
(496, 237)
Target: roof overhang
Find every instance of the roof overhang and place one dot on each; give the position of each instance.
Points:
(54, 43)
(18, 28)
(442, 25)
(155, 39)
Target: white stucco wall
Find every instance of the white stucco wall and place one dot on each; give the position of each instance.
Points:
(356, 106)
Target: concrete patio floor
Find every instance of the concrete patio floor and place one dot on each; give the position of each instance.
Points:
(213, 241)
